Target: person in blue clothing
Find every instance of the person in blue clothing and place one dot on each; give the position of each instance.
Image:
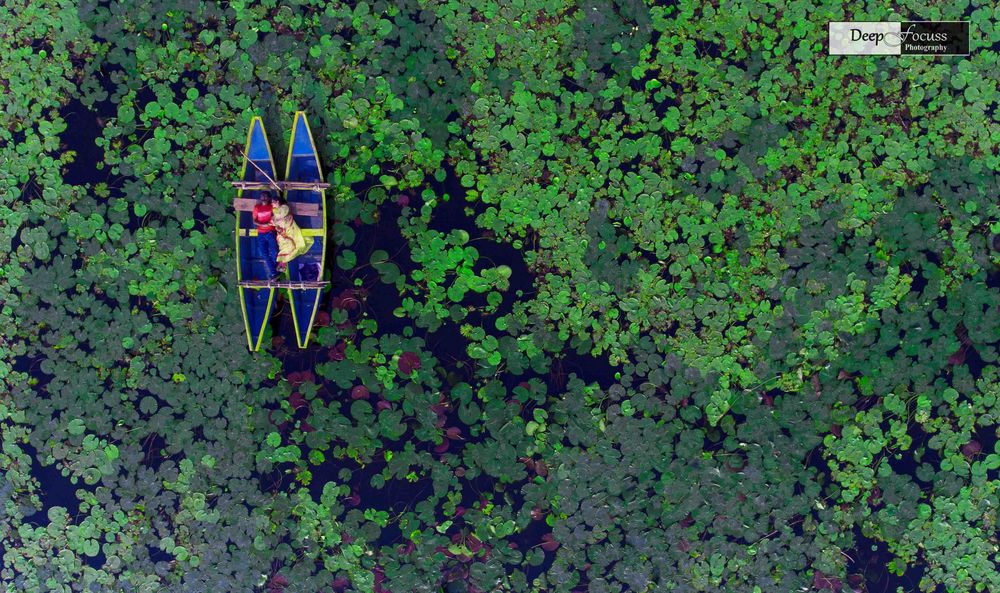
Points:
(267, 242)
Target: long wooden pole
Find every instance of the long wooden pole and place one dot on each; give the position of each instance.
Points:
(268, 177)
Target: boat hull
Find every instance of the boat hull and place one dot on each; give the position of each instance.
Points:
(303, 165)
(256, 303)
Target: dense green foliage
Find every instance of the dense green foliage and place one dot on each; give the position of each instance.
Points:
(775, 271)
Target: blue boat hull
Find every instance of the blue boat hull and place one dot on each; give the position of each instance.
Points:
(303, 165)
(256, 303)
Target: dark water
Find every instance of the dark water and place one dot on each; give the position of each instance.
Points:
(83, 126)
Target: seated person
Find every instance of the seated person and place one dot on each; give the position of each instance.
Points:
(266, 244)
(291, 242)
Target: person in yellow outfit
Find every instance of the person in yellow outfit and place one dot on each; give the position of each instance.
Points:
(291, 243)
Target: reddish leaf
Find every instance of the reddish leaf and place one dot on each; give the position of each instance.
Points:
(347, 299)
(821, 581)
(360, 392)
(296, 401)
(408, 362)
(549, 544)
(473, 543)
(277, 583)
(337, 352)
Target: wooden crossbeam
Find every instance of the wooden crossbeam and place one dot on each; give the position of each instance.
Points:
(286, 185)
(283, 284)
(297, 208)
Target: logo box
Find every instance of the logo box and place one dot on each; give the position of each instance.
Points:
(907, 38)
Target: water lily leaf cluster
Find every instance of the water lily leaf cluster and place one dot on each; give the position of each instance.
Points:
(624, 296)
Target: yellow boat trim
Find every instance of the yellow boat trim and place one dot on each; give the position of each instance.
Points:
(322, 261)
(305, 232)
